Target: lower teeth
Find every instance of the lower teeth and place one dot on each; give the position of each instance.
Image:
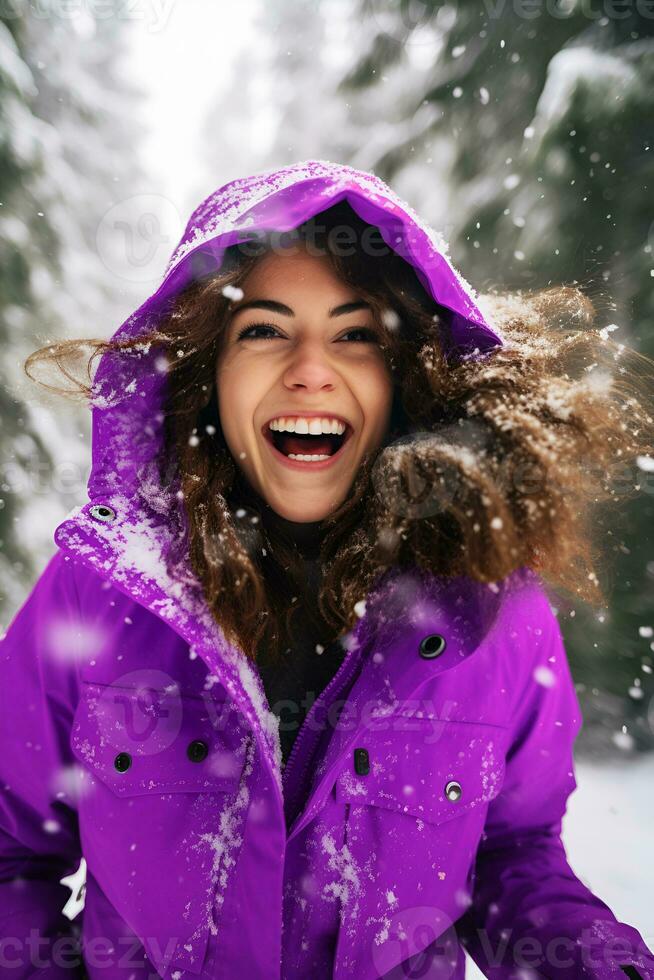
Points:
(306, 459)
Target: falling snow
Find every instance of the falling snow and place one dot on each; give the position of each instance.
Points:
(545, 676)
(232, 292)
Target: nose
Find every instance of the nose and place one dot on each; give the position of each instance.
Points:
(310, 368)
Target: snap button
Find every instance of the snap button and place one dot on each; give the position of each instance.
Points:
(197, 750)
(102, 513)
(453, 790)
(123, 761)
(432, 646)
(361, 762)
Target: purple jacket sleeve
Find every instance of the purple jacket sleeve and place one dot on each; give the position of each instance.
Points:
(530, 914)
(39, 840)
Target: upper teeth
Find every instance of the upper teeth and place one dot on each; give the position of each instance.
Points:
(312, 427)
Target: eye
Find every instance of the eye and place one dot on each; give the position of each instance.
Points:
(246, 331)
(370, 335)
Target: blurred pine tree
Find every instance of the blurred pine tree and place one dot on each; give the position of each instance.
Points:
(525, 132)
(67, 147)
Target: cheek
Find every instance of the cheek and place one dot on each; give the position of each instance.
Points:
(375, 394)
(230, 409)
(238, 397)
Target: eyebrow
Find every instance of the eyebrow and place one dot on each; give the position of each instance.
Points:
(274, 307)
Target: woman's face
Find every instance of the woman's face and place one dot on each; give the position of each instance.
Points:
(317, 356)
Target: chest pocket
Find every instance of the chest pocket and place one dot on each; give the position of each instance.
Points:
(145, 740)
(160, 778)
(434, 771)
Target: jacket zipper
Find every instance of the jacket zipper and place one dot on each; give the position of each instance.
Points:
(339, 677)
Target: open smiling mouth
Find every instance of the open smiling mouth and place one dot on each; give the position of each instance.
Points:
(308, 449)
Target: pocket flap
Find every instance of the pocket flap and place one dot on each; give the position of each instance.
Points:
(140, 740)
(431, 772)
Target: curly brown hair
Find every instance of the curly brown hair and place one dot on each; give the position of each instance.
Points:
(494, 460)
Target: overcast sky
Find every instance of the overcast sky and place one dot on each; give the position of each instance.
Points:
(183, 60)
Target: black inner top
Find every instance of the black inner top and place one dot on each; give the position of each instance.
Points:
(293, 682)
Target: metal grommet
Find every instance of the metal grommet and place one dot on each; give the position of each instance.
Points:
(361, 762)
(197, 750)
(101, 512)
(432, 646)
(123, 761)
(453, 790)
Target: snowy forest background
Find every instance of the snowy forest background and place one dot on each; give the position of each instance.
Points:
(521, 130)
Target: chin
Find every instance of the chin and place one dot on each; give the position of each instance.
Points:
(302, 517)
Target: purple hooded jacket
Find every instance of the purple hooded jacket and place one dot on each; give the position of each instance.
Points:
(133, 734)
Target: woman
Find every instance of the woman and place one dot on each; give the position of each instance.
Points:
(296, 690)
